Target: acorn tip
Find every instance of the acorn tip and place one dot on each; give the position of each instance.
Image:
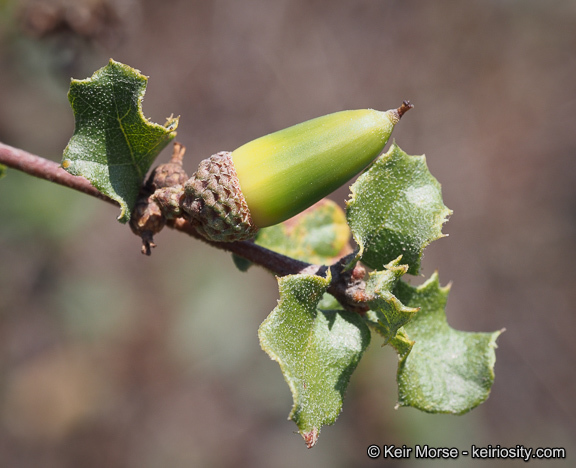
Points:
(405, 107)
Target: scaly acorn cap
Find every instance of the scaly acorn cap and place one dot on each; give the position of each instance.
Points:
(214, 203)
(284, 173)
(275, 177)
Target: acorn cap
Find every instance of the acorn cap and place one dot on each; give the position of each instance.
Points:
(214, 204)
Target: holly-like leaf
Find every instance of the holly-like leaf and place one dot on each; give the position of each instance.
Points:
(113, 144)
(447, 371)
(395, 209)
(401, 344)
(387, 314)
(317, 350)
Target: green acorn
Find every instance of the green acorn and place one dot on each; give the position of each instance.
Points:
(275, 177)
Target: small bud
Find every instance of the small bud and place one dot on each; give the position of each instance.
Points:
(169, 174)
(146, 221)
(159, 199)
(169, 200)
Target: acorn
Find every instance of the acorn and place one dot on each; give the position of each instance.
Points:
(272, 178)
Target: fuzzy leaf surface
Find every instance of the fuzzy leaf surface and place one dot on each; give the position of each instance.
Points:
(402, 344)
(387, 314)
(447, 371)
(317, 350)
(395, 209)
(113, 144)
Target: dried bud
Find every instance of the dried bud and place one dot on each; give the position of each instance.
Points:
(169, 174)
(146, 221)
(170, 199)
(160, 199)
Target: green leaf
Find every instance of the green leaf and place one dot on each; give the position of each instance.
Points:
(2, 171)
(329, 302)
(396, 209)
(318, 235)
(113, 144)
(401, 344)
(317, 350)
(447, 371)
(387, 314)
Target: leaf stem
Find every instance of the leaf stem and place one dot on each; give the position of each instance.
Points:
(347, 287)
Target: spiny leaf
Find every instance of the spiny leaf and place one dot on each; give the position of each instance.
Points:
(387, 314)
(401, 344)
(447, 371)
(396, 209)
(317, 350)
(113, 144)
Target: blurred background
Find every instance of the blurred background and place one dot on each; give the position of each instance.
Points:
(109, 358)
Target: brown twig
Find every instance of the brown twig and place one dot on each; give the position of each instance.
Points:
(48, 170)
(274, 262)
(347, 287)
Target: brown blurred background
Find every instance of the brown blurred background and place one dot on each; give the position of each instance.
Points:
(110, 359)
